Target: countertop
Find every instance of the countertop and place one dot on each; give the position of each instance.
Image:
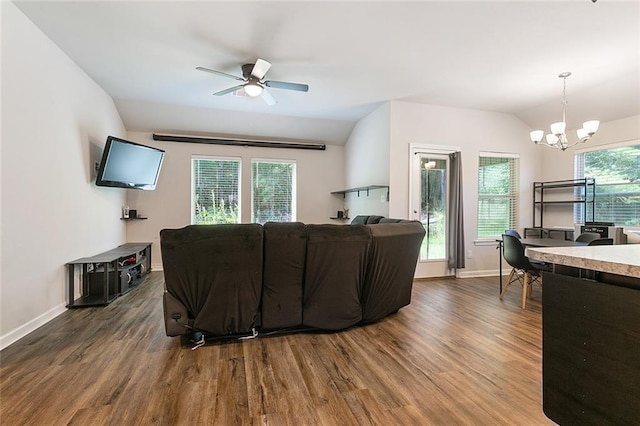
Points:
(623, 259)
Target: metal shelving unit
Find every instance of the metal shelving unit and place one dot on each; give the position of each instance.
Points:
(584, 192)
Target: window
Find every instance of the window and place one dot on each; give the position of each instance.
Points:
(617, 175)
(497, 194)
(273, 191)
(215, 190)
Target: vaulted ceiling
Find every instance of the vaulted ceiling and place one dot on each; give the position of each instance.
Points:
(496, 56)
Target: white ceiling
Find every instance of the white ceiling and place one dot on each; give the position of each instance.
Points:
(499, 56)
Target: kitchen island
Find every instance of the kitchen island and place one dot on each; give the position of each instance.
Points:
(591, 334)
(621, 259)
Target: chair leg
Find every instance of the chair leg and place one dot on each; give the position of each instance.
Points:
(509, 280)
(525, 289)
(539, 280)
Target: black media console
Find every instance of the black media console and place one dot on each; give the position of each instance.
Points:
(107, 275)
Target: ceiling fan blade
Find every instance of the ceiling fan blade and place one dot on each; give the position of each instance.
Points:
(268, 98)
(223, 74)
(260, 69)
(229, 90)
(288, 86)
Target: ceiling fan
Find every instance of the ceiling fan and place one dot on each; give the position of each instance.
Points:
(253, 83)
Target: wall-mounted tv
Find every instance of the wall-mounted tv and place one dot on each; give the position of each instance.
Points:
(127, 164)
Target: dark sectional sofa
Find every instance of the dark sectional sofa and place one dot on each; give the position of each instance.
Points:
(227, 280)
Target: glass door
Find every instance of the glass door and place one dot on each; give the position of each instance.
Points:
(433, 203)
(429, 205)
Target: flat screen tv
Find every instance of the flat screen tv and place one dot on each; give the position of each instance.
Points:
(127, 164)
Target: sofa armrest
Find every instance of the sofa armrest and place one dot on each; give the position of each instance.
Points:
(176, 317)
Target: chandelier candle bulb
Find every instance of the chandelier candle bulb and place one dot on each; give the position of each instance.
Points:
(591, 126)
(582, 133)
(552, 139)
(537, 135)
(558, 128)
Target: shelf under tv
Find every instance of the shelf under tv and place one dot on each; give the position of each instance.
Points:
(107, 275)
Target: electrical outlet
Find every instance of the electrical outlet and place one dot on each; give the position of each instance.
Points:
(469, 254)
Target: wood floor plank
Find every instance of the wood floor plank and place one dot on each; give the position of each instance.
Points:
(231, 399)
(457, 355)
(365, 408)
(317, 380)
(262, 385)
(91, 416)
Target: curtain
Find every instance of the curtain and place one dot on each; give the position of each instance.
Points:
(456, 221)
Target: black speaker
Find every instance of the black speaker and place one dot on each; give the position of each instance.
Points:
(133, 214)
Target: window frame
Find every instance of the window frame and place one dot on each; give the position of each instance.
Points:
(513, 195)
(294, 185)
(238, 160)
(579, 170)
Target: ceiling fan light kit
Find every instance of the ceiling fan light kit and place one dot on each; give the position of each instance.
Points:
(253, 89)
(558, 137)
(253, 82)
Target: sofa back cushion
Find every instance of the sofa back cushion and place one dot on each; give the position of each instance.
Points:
(359, 220)
(336, 261)
(373, 219)
(285, 250)
(215, 271)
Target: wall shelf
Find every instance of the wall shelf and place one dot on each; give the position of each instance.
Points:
(360, 189)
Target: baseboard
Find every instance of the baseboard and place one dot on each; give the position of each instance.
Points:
(460, 273)
(18, 333)
(479, 274)
(156, 268)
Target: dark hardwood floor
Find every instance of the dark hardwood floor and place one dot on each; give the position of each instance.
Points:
(456, 355)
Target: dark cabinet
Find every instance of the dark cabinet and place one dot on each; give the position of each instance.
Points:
(107, 275)
(591, 357)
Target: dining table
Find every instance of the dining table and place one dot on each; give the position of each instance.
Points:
(539, 242)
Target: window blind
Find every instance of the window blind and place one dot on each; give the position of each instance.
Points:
(215, 191)
(272, 191)
(617, 175)
(497, 195)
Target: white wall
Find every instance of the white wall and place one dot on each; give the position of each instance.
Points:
(558, 165)
(367, 157)
(169, 206)
(472, 131)
(54, 118)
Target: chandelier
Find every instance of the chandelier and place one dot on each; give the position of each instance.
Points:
(558, 138)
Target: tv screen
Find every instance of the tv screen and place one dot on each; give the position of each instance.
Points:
(127, 164)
